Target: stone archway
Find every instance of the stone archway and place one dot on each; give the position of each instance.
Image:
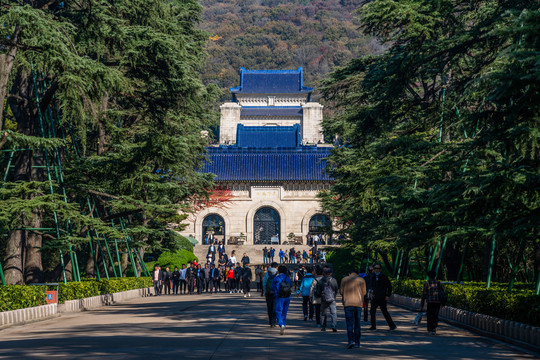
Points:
(251, 214)
(203, 214)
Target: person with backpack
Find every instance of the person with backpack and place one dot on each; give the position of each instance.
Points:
(327, 288)
(269, 293)
(316, 297)
(436, 298)
(305, 287)
(353, 290)
(282, 287)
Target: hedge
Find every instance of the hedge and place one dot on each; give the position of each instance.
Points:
(13, 297)
(520, 305)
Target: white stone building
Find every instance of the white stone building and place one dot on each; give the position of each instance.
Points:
(270, 157)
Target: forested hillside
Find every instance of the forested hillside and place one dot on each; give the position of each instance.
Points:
(279, 34)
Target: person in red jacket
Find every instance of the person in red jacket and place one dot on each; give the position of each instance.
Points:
(230, 279)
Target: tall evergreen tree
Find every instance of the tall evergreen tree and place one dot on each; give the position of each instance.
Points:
(441, 130)
(122, 75)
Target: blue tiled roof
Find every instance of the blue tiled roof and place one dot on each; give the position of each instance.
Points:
(288, 111)
(248, 164)
(271, 82)
(268, 136)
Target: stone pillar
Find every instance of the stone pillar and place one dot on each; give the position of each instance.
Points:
(312, 123)
(230, 118)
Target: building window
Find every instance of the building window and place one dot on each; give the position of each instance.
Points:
(266, 226)
(213, 229)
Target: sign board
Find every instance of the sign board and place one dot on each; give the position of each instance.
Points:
(52, 297)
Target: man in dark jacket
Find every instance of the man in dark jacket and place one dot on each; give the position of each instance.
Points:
(221, 248)
(238, 277)
(191, 277)
(175, 280)
(246, 279)
(245, 260)
(381, 291)
(167, 277)
(200, 279)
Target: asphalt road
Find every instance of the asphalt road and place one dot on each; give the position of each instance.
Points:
(228, 326)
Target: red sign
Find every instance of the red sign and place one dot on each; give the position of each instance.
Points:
(52, 296)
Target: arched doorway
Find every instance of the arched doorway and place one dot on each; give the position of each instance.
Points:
(266, 226)
(213, 229)
(319, 227)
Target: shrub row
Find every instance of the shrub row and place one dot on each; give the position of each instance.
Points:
(13, 297)
(520, 305)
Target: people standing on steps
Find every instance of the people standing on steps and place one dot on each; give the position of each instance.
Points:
(183, 281)
(353, 291)
(272, 253)
(221, 248)
(167, 277)
(282, 287)
(381, 291)
(265, 255)
(245, 260)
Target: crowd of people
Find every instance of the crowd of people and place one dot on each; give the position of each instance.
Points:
(292, 256)
(314, 283)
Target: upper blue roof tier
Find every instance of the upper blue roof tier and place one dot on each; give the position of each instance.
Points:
(248, 164)
(286, 111)
(271, 82)
(268, 136)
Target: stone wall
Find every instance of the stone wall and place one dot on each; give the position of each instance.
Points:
(510, 331)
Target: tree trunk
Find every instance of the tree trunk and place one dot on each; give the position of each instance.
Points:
(7, 60)
(33, 267)
(125, 262)
(90, 265)
(389, 266)
(13, 266)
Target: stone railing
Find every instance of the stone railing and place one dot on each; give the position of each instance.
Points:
(510, 331)
(44, 312)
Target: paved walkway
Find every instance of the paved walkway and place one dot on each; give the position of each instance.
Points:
(229, 326)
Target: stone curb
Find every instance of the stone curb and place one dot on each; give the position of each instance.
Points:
(513, 332)
(44, 312)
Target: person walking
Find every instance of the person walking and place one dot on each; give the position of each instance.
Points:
(247, 275)
(282, 287)
(206, 277)
(304, 291)
(213, 279)
(167, 277)
(175, 280)
(368, 279)
(238, 278)
(270, 297)
(314, 296)
(221, 248)
(353, 291)
(200, 279)
(157, 277)
(230, 279)
(258, 278)
(245, 260)
(433, 293)
(327, 288)
(182, 278)
(382, 289)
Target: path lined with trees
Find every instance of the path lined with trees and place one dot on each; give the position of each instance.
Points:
(227, 327)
